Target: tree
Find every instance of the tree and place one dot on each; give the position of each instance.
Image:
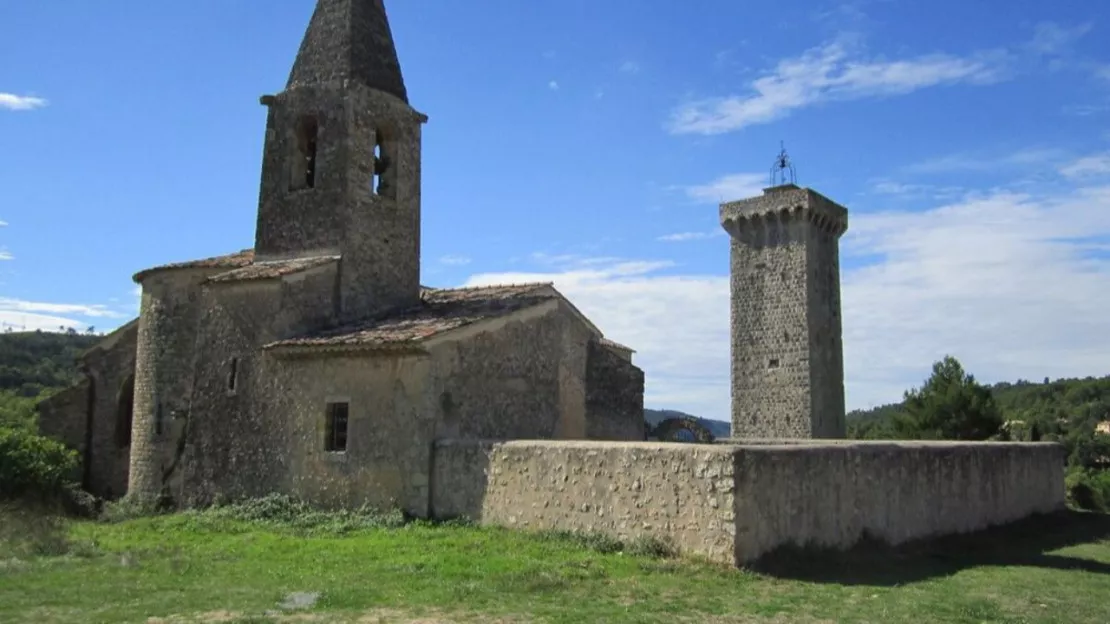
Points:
(950, 405)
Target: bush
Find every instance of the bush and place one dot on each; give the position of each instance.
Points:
(1088, 489)
(34, 466)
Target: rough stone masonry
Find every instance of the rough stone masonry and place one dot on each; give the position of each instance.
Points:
(317, 365)
(787, 351)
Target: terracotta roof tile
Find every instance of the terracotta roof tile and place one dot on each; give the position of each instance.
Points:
(272, 269)
(441, 310)
(229, 261)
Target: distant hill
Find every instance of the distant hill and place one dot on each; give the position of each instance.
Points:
(718, 428)
(33, 362)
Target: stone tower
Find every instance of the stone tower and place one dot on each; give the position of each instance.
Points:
(341, 168)
(787, 351)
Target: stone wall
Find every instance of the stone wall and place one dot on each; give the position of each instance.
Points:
(736, 503)
(518, 377)
(64, 416)
(391, 426)
(238, 429)
(831, 494)
(680, 493)
(168, 324)
(614, 396)
(111, 364)
(94, 416)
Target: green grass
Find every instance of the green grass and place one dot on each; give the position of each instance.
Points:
(220, 567)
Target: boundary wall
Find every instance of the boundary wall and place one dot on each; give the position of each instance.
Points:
(733, 503)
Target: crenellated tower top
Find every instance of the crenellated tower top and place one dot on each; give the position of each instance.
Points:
(783, 205)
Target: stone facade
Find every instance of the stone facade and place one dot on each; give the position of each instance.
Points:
(787, 351)
(315, 363)
(736, 503)
(95, 415)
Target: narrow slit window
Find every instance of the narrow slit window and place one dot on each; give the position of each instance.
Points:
(303, 174)
(159, 419)
(233, 375)
(336, 441)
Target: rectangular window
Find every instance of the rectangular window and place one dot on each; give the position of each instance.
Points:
(336, 441)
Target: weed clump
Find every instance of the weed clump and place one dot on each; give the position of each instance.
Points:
(278, 511)
(643, 546)
(29, 531)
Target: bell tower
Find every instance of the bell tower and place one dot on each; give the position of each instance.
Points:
(341, 166)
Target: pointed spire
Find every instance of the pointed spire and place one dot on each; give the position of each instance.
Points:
(349, 40)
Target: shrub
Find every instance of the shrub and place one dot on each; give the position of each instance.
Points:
(34, 466)
(1089, 489)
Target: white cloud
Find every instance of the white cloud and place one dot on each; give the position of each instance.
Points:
(3, 223)
(11, 101)
(1014, 285)
(5, 254)
(455, 260)
(731, 187)
(18, 315)
(828, 73)
(630, 67)
(1052, 38)
(682, 237)
(963, 162)
(1097, 165)
(553, 85)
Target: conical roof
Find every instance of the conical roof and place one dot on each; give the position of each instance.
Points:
(349, 40)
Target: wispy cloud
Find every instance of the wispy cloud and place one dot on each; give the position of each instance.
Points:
(5, 254)
(905, 191)
(13, 102)
(1050, 38)
(454, 260)
(729, 187)
(553, 85)
(970, 162)
(1015, 285)
(830, 73)
(1088, 166)
(630, 67)
(20, 314)
(683, 237)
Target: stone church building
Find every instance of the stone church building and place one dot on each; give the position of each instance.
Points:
(315, 363)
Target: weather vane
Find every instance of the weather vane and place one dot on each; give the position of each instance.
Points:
(782, 172)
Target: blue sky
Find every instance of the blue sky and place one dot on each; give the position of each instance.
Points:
(588, 143)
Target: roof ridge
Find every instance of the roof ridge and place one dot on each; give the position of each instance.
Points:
(500, 285)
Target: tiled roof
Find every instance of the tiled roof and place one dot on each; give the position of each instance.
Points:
(441, 310)
(229, 261)
(272, 269)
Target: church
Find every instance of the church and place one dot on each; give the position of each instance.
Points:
(315, 363)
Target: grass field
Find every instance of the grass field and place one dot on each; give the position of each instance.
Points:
(198, 568)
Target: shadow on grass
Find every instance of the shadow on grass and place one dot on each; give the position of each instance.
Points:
(1028, 542)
